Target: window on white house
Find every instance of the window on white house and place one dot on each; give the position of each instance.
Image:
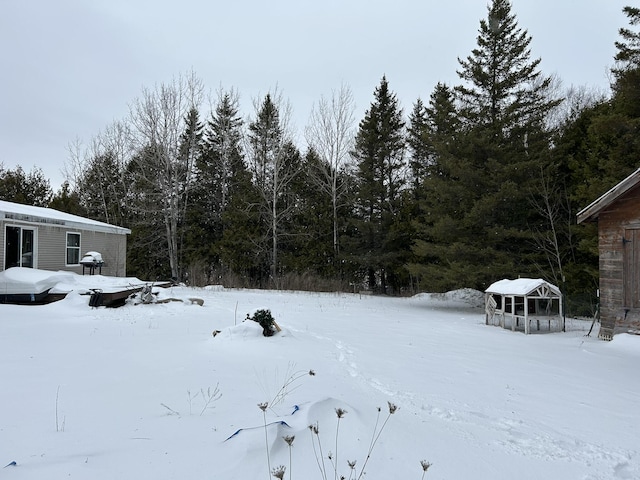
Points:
(73, 248)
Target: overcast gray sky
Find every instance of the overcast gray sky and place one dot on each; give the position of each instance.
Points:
(69, 68)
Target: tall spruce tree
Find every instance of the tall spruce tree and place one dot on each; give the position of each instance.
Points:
(274, 164)
(482, 229)
(190, 153)
(626, 86)
(503, 91)
(629, 45)
(380, 179)
(217, 171)
(432, 138)
(420, 151)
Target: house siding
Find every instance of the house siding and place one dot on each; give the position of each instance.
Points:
(617, 313)
(51, 247)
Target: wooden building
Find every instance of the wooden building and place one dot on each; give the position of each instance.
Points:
(47, 239)
(618, 215)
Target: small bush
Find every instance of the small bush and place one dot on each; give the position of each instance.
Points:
(265, 319)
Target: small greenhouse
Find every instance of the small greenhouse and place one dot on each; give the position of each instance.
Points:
(519, 304)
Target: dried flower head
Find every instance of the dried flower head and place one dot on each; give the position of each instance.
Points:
(289, 439)
(263, 406)
(330, 455)
(352, 464)
(425, 465)
(392, 408)
(340, 412)
(278, 472)
(312, 373)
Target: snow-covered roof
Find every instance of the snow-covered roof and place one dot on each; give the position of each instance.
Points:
(49, 216)
(592, 211)
(523, 286)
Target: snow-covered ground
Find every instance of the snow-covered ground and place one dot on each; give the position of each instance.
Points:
(147, 392)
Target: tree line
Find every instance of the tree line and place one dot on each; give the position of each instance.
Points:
(479, 182)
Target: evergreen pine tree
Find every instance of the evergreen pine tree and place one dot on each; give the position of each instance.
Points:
(216, 172)
(482, 215)
(309, 247)
(274, 163)
(190, 153)
(597, 148)
(626, 86)
(629, 46)
(380, 178)
(67, 200)
(31, 188)
(420, 150)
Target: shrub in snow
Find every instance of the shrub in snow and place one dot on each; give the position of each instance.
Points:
(265, 319)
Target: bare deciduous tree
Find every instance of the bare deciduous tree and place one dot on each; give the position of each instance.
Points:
(330, 133)
(97, 173)
(158, 119)
(576, 99)
(554, 238)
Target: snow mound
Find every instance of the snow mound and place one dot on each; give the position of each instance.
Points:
(463, 297)
(626, 342)
(214, 288)
(245, 330)
(19, 280)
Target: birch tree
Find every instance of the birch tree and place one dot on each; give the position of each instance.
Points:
(270, 162)
(166, 171)
(330, 134)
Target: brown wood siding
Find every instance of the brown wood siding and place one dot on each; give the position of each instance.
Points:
(620, 265)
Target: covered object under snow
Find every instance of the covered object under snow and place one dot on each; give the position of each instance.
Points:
(29, 285)
(517, 303)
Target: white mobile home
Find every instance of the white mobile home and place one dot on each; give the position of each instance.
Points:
(48, 239)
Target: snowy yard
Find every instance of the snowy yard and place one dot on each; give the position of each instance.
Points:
(146, 391)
